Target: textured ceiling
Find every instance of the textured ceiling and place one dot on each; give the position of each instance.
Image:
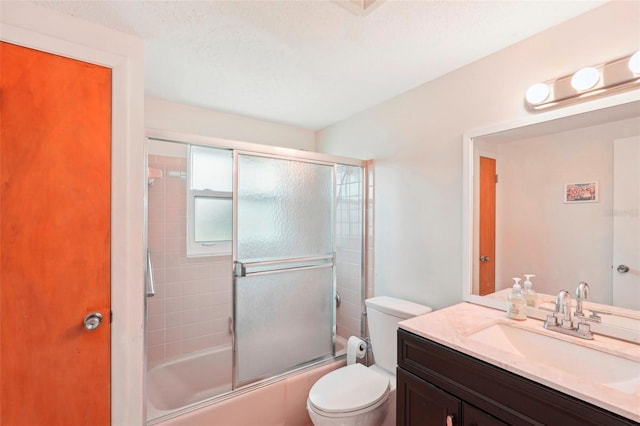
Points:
(312, 63)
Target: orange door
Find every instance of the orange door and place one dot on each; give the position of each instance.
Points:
(487, 239)
(55, 176)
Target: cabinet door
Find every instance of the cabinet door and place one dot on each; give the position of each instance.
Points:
(420, 403)
(475, 417)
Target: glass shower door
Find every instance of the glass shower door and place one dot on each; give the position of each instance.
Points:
(284, 291)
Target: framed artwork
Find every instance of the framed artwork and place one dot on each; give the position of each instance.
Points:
(582, 192)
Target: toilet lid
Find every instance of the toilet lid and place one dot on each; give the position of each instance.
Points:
(350, 388)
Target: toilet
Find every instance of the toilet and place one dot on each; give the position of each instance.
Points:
(356, 395)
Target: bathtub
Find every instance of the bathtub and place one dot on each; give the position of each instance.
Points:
(190, 379)
(177, 383)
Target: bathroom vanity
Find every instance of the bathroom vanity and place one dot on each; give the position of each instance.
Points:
(469, 365)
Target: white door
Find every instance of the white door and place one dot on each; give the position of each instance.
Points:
(626, 223)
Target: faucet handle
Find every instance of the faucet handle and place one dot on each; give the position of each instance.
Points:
(552, 320)
(584, 329)
(593, 317)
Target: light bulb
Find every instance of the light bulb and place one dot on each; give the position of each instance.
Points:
(537, 93)
(634, 63)
(585, 79)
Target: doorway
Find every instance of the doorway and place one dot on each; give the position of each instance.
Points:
(626, 227)
(487, 223)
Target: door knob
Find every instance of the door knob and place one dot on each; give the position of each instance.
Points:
(92, 320)
(485, 258)
(623, 269)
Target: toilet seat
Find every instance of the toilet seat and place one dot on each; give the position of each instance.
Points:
(348, 390)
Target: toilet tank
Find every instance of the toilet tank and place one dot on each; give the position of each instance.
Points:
(383, 314)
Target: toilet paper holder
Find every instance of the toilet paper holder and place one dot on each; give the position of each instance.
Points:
(357, 347)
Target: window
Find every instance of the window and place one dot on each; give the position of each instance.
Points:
(210, 202)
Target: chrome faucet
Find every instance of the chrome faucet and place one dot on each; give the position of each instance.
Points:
(561, 320)
(563, 307)
(582, 294)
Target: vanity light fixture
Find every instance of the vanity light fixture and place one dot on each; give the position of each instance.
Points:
(634, 63)
(538, 93)
(585, 79)
(617, 75)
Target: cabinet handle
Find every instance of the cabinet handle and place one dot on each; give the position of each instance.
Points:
(450, 420)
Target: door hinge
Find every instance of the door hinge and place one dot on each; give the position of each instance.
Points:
(496, 178)
(110, 317)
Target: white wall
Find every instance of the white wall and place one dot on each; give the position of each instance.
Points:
(416, 140)
(175, 117)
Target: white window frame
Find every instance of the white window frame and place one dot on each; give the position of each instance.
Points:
(203, 248)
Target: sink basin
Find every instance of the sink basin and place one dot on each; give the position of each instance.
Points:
(601, 367)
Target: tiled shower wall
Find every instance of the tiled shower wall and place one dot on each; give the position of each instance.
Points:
(193, 301)
(349, 243)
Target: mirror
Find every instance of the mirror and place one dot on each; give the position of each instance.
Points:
(566, 205)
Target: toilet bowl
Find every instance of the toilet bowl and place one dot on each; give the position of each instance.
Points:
(350, 396)
(356, 395)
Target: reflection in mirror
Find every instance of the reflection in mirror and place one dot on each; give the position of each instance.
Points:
(561, 200)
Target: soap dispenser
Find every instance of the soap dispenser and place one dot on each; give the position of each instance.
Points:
(516, 303)
(529, 293)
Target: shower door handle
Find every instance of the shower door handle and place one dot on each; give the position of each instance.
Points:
(241, 269)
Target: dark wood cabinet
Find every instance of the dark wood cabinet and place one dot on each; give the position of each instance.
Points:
(425, 404)
(440, 386)
(475, 417)
(422, 401)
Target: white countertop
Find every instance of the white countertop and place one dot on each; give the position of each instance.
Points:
(452, 325)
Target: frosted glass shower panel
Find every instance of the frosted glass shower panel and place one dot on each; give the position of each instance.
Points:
(283, 320)
(284, 208)
(284, 276)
